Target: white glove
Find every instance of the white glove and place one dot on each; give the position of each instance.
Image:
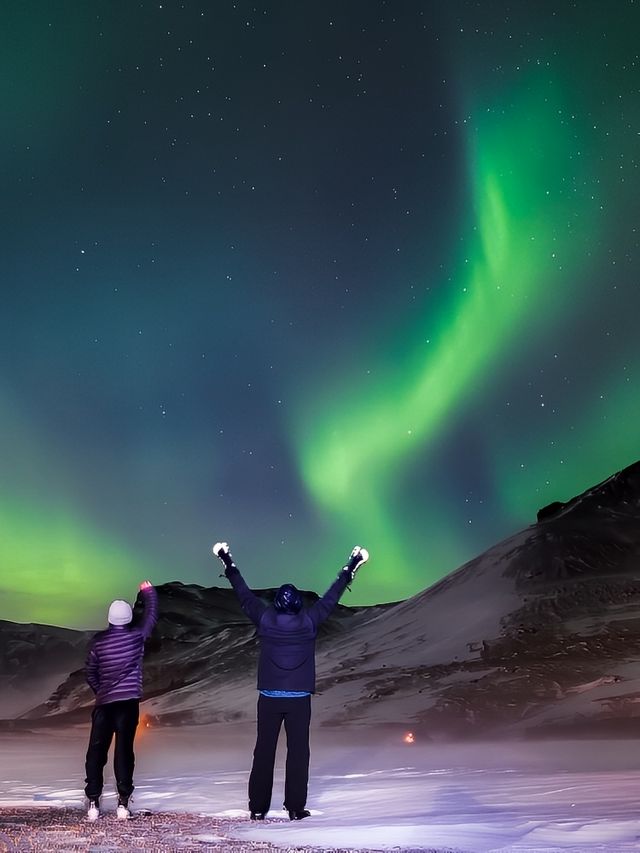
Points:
(222, 552)
(357, 558)
(219, 548)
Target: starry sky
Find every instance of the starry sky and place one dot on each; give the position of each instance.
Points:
(304, 276)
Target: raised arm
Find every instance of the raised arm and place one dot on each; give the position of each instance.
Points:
(150, 614)
(250, 603)
(323, 607)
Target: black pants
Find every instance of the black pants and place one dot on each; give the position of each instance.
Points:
(295, 712)
(121, 719)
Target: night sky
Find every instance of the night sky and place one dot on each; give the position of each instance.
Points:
(304, 276)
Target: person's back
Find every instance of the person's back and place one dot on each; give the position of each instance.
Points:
(287, 632)
(113, 670)
(287, 651)
(114, 664)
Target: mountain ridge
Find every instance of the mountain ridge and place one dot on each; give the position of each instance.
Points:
(539, 633)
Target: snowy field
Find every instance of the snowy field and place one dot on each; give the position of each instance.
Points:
(368, 789)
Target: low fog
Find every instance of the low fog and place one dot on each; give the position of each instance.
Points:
(368, 787)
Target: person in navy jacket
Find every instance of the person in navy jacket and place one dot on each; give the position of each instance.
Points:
(287, 634)
(113, 670)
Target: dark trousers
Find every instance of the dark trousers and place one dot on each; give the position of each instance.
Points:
(295, 712)
(121, 719)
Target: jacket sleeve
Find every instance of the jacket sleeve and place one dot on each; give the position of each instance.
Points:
(250, 603)
(150, 615)
(91, 670)
(323, 606)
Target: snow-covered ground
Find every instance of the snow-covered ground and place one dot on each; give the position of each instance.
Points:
(367, 788)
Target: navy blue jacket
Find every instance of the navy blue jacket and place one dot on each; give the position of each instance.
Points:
(287, 641)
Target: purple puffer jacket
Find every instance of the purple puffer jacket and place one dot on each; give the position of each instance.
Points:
(113, 668)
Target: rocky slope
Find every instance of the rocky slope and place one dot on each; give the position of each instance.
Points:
(34, 659)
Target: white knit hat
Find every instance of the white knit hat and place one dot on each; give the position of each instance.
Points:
(120, 613)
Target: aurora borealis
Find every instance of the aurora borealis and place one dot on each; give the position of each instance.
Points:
(301, 278)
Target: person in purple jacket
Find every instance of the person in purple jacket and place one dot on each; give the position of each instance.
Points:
(113, 670)
(287, 634)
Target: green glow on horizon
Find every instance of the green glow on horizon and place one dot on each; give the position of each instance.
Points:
(57, 570)
(57, 566)
(519, 271)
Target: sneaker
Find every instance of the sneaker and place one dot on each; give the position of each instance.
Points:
(258, 815)
(123, 812)
(93, 812)
(299, 815)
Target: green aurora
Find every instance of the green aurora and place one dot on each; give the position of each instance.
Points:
(299, 285)
(522, 266)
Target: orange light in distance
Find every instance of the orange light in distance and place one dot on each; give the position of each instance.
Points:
(145, 722)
